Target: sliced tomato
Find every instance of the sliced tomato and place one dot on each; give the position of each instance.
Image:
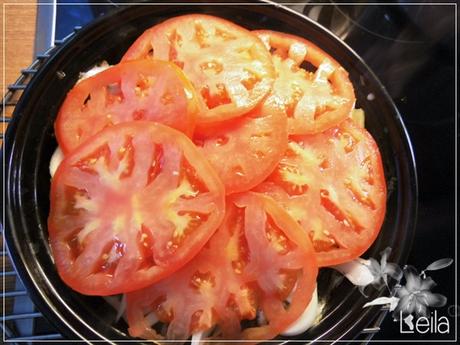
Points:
(246, 150)
(228, 65)
(258, 266)
(316, 98)
(332, 183)
(136, 90)
(130, 207)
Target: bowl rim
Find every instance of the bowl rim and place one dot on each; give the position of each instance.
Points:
(63, 318)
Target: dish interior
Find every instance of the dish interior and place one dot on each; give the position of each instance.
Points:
(30, 142)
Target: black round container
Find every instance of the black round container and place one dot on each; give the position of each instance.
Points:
(30, 142)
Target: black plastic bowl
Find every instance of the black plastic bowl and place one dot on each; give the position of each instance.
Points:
(30, 142)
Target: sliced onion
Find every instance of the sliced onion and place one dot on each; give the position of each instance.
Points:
(261, 319)
(56, 160)
(199, 336)
(307, 319)
(151, 319)
(122, 308)
(118, 303)
(93, 71)
(356, 271)
(114, 301)
(196, 338)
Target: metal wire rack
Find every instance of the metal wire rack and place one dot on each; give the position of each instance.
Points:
(22, 322)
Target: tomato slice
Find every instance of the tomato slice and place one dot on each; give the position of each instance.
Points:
(228, 65)
(332, 183)
(130, 207)
(258, 259)
(246, 150)
(136, 90)
(313, 100)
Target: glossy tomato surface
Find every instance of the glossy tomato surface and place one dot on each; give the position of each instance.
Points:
(332, 183)
(130, 207)
(244, 151)
(228, 65)
(312, 87)
(257, 260)
(135, 90)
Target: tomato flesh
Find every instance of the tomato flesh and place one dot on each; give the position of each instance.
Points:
(228, 65)
(130, 91)
(130, 207)
(254, 261)
(332, 183)
(246, 150)
(313, 100)
(208, 176)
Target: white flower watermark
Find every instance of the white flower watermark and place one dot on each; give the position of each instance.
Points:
(385, 269)
(412, 297)
(416, 296)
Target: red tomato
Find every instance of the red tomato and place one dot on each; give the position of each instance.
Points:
(256, 260)
(246, 150)
(313, 101)
(137, 90)
(332, 183)
(130, 207)
(228, 65)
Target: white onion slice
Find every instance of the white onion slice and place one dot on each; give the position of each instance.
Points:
(56, 160)
(307, 319)
(151, 319)
(199, 336)
(114, 301)
(196, 338)
(117, 303)
(93, 71)
(122, 308)
(356, 271)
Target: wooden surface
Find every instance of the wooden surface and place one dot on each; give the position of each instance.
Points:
(17, 32)
(19, 23)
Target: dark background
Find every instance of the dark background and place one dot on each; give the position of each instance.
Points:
(411, 48)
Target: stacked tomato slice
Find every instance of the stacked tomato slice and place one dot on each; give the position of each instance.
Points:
(255, 260)
(131, 91)
(229, 67)
(208, 175)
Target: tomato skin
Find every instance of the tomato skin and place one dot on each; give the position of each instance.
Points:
(228, 65)
(236, 273)
(315, 101)
(333, 184)
(280, 318)
(245, 151)
(102, 233)
(134, 90)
